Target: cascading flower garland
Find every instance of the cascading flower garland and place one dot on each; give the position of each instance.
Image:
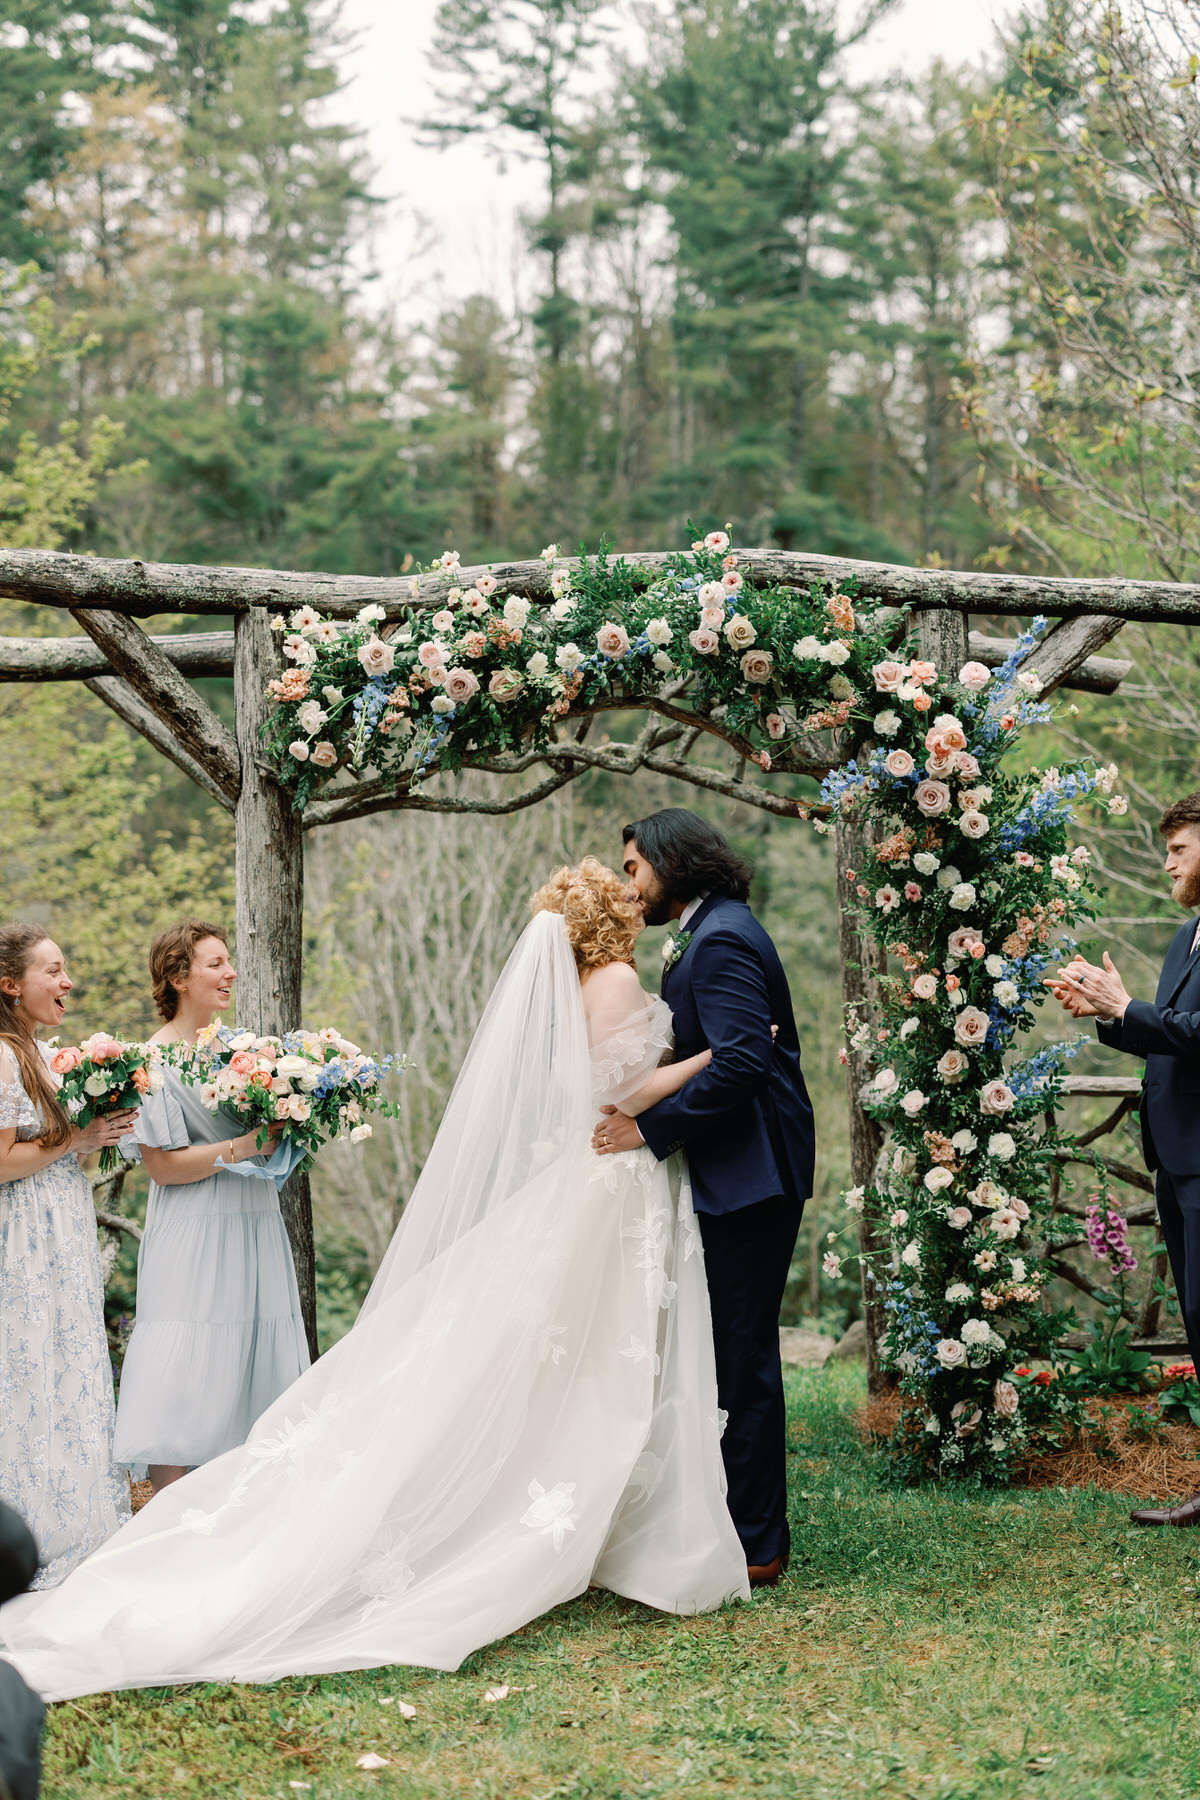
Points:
(971, 888)
(485, 675)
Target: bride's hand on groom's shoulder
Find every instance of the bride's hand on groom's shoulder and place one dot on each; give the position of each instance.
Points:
(616, 1132)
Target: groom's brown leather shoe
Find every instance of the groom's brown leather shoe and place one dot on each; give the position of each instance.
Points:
(1186, 1513)
(766, 1574)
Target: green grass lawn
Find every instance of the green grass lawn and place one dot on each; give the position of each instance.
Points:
(925, 1643)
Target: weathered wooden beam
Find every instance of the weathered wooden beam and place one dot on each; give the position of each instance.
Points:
(124, 702)
(1068, 646)
(1111, 1087)
(75, 658)
(174, 701)
(139, 589)
(1095, 675)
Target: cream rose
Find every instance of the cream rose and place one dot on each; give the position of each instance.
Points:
(887, 677)
(971, 1027)
(659, 632)
(973, 824)
(996, 1099)
(951, 1353)
(1005, 1400)
(885, 1083)
(952, 1065)
(612, 641)
(959, 1217)
(704, 641)
(965, 941)
(324, 754)
(912, 1102)
(376, 657)
(739, 632)
(932, 798)
(461, 685)
(756, 665)
(505, 685)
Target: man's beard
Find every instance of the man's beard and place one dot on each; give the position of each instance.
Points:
(1186, 891)
(656, 906)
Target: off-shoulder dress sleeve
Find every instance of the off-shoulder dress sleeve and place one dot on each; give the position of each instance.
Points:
(629, 1034)
(16, 1108)
(160, 1122)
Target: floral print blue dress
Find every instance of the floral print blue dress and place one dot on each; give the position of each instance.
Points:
(56, 1380)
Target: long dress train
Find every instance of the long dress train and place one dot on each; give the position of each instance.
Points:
(527, 1404)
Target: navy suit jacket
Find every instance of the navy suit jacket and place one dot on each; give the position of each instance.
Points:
(1167, 1034)
(745, 1121)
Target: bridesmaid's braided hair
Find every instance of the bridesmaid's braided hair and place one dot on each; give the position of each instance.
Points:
(171, 956)
(17, 945)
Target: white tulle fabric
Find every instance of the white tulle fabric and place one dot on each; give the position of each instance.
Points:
(527, 1404)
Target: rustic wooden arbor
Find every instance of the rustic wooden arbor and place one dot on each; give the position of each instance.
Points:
(145, 681)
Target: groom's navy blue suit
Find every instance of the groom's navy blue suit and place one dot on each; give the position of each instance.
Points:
(747, 1126)
(1167, 1034)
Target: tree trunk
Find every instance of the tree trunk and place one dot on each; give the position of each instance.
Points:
(270, 908)
(860, 959)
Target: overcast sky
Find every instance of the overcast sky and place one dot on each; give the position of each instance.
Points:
(459, 198)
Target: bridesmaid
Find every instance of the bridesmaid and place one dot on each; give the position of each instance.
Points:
(56, 1386)
(218, 1334)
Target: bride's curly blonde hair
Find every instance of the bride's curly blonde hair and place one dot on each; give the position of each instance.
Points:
(602, 924)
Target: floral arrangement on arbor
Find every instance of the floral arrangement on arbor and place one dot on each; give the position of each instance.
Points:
(971, 886)
(483, 675)
(315, 1084)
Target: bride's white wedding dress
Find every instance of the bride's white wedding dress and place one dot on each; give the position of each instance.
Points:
(526, 1405)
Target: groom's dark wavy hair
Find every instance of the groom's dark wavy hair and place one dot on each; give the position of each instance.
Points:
(690, 856)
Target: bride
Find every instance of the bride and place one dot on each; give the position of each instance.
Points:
(526, 1405)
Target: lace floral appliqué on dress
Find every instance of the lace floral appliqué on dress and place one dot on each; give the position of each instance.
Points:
(56, 1383)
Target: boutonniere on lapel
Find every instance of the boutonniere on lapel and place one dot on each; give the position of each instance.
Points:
(674, 947)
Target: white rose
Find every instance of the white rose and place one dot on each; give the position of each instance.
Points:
(538, 664)
(836, 653)
(359, 1133)
(910, 1256)
(568, 658)
(807, 649)
(442, 703)
(994, 965)
(962, 897)
(975, 1333)
(659, 632)
(938, 1179)
(949, 877)
(1002, 1147)
(958, 1291)
(912, 1102)
(1007, 994)
(951, 1354)
(662, 662)
(885, 1082)
(516, 612)
(887, 724)
(562, 609)
(924, 862)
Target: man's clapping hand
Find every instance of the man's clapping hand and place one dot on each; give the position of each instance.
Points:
(1089, 992)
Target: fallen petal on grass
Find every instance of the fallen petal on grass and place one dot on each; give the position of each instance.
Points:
(371, 1761)
(496, 1693)
(405, 1710)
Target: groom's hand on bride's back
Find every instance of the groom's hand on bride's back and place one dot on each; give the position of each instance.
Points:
(616, 1132)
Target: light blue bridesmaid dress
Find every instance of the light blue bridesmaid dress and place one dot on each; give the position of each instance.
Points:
(218, 1335)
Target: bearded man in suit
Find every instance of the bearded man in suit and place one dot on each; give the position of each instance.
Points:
(747, 1127)
(1167, 1034)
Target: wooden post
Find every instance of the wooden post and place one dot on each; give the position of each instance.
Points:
(942, 639)
(860, 959)
(269, 913)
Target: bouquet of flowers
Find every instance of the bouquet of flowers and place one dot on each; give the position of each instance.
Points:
(316, 1083)
(104, 1075)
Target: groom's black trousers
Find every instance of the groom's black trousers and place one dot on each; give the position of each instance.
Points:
(1178, 1199)
(747, 1255)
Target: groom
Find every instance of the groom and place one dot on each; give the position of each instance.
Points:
(747, 1126)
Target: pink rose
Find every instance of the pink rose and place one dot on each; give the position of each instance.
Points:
(966, 764)
(1005, 1398)
(922, 703)
(460, 685)
(966, 941)
(922, 671)
(959, 1217)
(473, 643)
(932, 798)
(1017, 1205)
(775, 725)
(505, 685)
(971, 1027)
(429, 655)
(996, 1099)
(713, 617)
(376, 657)
(973, 824)
(899, 763)
(937, 765)
(324, 754)
(925, 986)
(974, 675)
(756, 665)
(706, 642)
(888, 676)
(63, 1061)
(612, 640)
(952, 1066)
